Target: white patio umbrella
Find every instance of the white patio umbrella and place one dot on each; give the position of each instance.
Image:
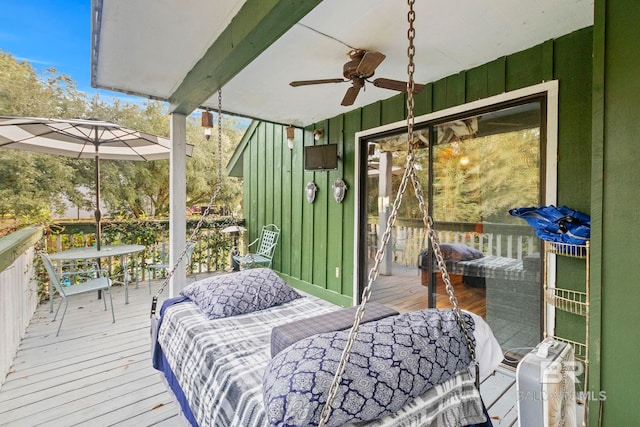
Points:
(83, 139)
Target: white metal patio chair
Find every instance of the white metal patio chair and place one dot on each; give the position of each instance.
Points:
(266, 246)
(160, 260)
(82, 283)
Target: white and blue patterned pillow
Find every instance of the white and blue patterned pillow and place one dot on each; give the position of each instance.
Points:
(239, 293)
(392, 361)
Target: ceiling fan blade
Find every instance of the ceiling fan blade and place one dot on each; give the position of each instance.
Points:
(398, 85)
(315, 82)
(350, 96)
(369, 63)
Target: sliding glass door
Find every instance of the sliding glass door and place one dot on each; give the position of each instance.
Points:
(472, 169)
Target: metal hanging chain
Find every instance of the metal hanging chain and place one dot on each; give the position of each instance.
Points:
(409, 173)
(373, 272)
(196, 230)
(417, 189)
(435, 245)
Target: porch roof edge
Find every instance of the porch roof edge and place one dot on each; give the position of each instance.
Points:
(235, 165)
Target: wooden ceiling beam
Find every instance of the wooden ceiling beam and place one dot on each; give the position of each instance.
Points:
(257, 25)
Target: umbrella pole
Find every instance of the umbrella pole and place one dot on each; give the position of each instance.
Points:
(97, 213)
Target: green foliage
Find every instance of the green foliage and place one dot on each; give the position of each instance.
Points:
(24, 93)
(33, 186)
(30, 183)
(40, 274)
(202, 167)
(211, 251)
(474, 180)
(482, 178)
(145, 233)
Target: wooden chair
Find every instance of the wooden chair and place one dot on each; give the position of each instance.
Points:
(82, 283)
(265, 248)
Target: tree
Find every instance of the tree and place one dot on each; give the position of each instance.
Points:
(202, 167)
(142, 188)
(32, 184)
(24, 93)
(480, 179)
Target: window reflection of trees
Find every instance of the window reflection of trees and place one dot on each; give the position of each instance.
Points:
(483, 166)
(480, 179)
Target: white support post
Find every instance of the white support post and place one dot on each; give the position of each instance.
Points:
(177, 199)
(385, 193)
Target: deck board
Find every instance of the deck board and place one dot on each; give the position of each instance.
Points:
(99, 373)
(403, 290)
(499, 396)
(503, 412)
(38, 408)
(494, 386)
(94, 373)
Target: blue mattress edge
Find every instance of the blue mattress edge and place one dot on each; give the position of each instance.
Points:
(160, 363)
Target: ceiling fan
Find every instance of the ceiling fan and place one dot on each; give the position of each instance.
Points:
(358, 70)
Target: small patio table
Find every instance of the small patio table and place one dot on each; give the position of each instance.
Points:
(92, 252)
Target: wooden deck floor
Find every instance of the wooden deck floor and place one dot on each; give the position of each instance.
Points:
(94, 373)
(98, 373)
(404, 291)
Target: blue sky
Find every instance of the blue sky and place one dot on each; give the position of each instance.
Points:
(56, 33)
(52, 33)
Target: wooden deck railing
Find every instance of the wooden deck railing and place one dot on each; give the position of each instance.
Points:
(212, 250)
(18, 292)
(507, 240)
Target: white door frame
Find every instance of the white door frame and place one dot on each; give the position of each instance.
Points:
(550, 89)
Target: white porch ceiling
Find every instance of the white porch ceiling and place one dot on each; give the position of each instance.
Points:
(148, 47)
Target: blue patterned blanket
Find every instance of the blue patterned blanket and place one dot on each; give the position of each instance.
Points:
(220, 364)
(286, 335)
(392, 361)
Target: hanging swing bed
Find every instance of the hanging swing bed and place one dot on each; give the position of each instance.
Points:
(245, 349)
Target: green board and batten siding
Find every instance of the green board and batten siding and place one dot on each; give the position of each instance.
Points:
(316, 250)
(597, 70)
(317, 239)
(615, 202)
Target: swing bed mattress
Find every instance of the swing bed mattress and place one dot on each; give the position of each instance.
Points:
(475, 271)
(215, 368)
